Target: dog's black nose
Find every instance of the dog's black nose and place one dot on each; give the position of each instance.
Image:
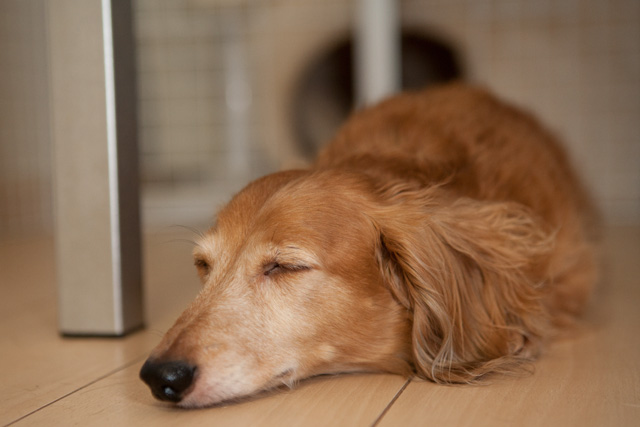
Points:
(167, 380)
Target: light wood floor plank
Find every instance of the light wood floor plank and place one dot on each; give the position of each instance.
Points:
(122, 400)
(38, 366)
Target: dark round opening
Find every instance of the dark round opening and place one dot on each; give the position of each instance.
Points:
(324, 96)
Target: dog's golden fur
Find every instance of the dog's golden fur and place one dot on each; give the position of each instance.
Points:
(441, 233)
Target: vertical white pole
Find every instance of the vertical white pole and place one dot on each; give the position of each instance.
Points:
(377, 50)
(238, 95)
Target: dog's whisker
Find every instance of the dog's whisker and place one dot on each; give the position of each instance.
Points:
(157, 332)
(194, 230)
(180, 240)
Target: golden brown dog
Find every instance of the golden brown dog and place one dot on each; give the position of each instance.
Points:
(441, 234)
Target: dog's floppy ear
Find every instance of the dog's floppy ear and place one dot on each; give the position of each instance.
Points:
(472, 275)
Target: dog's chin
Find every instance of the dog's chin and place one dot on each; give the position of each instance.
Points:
(191, 402)
(211, 394)
(203, 399)
(207, 393)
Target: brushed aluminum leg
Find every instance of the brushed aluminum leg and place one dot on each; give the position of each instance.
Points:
(92, 76)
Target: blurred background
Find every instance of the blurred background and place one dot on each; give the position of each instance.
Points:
(229, 90)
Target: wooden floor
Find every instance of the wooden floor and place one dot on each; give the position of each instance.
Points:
(591, 378)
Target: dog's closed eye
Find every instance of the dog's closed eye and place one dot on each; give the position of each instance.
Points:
(274, 267)
(203, 266)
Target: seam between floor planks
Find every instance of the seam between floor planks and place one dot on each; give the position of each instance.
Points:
(143, 357)
(391, 402)
(89, 384)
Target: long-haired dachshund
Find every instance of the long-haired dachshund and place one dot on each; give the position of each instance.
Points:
(441, 234)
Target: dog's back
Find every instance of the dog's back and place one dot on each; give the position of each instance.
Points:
(476, 146)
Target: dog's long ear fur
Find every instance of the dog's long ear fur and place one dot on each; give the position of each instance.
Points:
(472, 274)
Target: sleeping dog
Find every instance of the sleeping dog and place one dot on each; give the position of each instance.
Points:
(441, 234)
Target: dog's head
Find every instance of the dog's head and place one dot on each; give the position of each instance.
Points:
(307, 273)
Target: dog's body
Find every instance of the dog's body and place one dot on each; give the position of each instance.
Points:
(441, 233)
